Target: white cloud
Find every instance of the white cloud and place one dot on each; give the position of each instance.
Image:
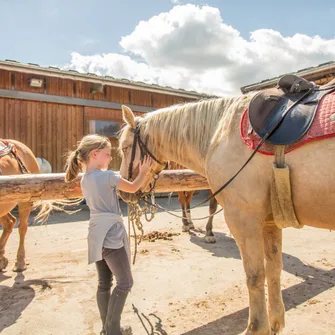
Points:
(176, 1)
(191, 47)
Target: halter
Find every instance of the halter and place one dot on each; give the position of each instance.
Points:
(144, 150)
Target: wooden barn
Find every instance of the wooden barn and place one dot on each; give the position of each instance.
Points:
(320, 74)
(50, 109)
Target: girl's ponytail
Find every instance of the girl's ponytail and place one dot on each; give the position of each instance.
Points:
(79, 157)
(72, 167)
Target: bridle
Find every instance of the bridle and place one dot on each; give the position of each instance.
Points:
(145, 196)
(143, 151)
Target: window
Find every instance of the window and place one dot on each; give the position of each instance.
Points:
(104, 128)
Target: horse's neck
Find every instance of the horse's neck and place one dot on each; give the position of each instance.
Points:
(191, 160)
(185, 142)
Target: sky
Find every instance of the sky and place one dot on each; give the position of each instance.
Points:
(212, 47)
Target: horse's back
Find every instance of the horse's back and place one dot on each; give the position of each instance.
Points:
(9, 165)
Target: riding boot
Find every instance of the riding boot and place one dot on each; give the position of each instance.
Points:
(102, 301)
(115, 307)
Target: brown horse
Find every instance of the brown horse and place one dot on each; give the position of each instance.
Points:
(16, 158)
(185, 198)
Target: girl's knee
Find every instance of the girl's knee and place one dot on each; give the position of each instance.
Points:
(104, 284)
(126, 285)
(104, 287)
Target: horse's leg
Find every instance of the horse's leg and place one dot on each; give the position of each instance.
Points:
(273, 268)
(24, 211)
(8, 222)
(248, 233)
(213, 205)
(189, 196)
(182, 200)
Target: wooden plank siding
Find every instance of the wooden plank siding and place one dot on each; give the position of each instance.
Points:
(51, 129)
(22, 82)
(5, 80)
(59, 86)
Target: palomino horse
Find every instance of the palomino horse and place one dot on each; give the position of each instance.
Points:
(185, 199)
(204, 136)
(18, 160)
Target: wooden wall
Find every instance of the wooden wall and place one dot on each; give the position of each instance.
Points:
(80, 89)
(50, 129)
(324, 81)
(5, 80)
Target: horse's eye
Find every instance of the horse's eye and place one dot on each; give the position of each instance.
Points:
(124, 150)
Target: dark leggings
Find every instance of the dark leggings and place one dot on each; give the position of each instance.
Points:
(115, 263)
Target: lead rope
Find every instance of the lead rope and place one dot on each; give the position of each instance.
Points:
(135, 212)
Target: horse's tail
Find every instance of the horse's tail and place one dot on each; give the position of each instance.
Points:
(47, 206)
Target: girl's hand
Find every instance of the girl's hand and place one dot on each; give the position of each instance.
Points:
(133, 187)
(145, 165)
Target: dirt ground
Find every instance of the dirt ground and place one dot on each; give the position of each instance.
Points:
(183, 286)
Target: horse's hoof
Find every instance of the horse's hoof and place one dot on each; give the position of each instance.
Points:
(277, 328)
(20, 267)
(251, 331)
(210, 239)
(247, 332)
(3, 263)
(191, 225)
(185, 228)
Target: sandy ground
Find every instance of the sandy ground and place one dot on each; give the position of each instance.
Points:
(183, 286)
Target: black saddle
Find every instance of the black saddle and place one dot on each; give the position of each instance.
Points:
(283, 115)
(291, 83)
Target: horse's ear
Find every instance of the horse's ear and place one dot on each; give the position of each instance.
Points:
(128, 116)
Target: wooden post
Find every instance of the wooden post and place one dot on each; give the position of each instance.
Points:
(32, 187)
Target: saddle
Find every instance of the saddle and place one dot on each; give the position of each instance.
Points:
(5, 148)
(282, 115)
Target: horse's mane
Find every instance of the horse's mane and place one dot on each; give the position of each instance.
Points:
(197, 124)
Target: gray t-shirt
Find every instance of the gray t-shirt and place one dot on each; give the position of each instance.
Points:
(99, 190)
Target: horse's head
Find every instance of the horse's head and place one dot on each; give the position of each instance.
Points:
(133, 146)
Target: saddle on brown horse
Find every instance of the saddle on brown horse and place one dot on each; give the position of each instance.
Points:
(7, 148)
(285, 113)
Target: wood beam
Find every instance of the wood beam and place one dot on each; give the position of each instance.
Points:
(33, 187)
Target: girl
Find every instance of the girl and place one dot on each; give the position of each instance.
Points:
(107, 237)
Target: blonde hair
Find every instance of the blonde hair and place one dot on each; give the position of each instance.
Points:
(81, 155)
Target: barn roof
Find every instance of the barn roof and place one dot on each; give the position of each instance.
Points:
(53, 71)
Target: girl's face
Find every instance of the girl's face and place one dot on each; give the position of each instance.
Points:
(102, 157)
